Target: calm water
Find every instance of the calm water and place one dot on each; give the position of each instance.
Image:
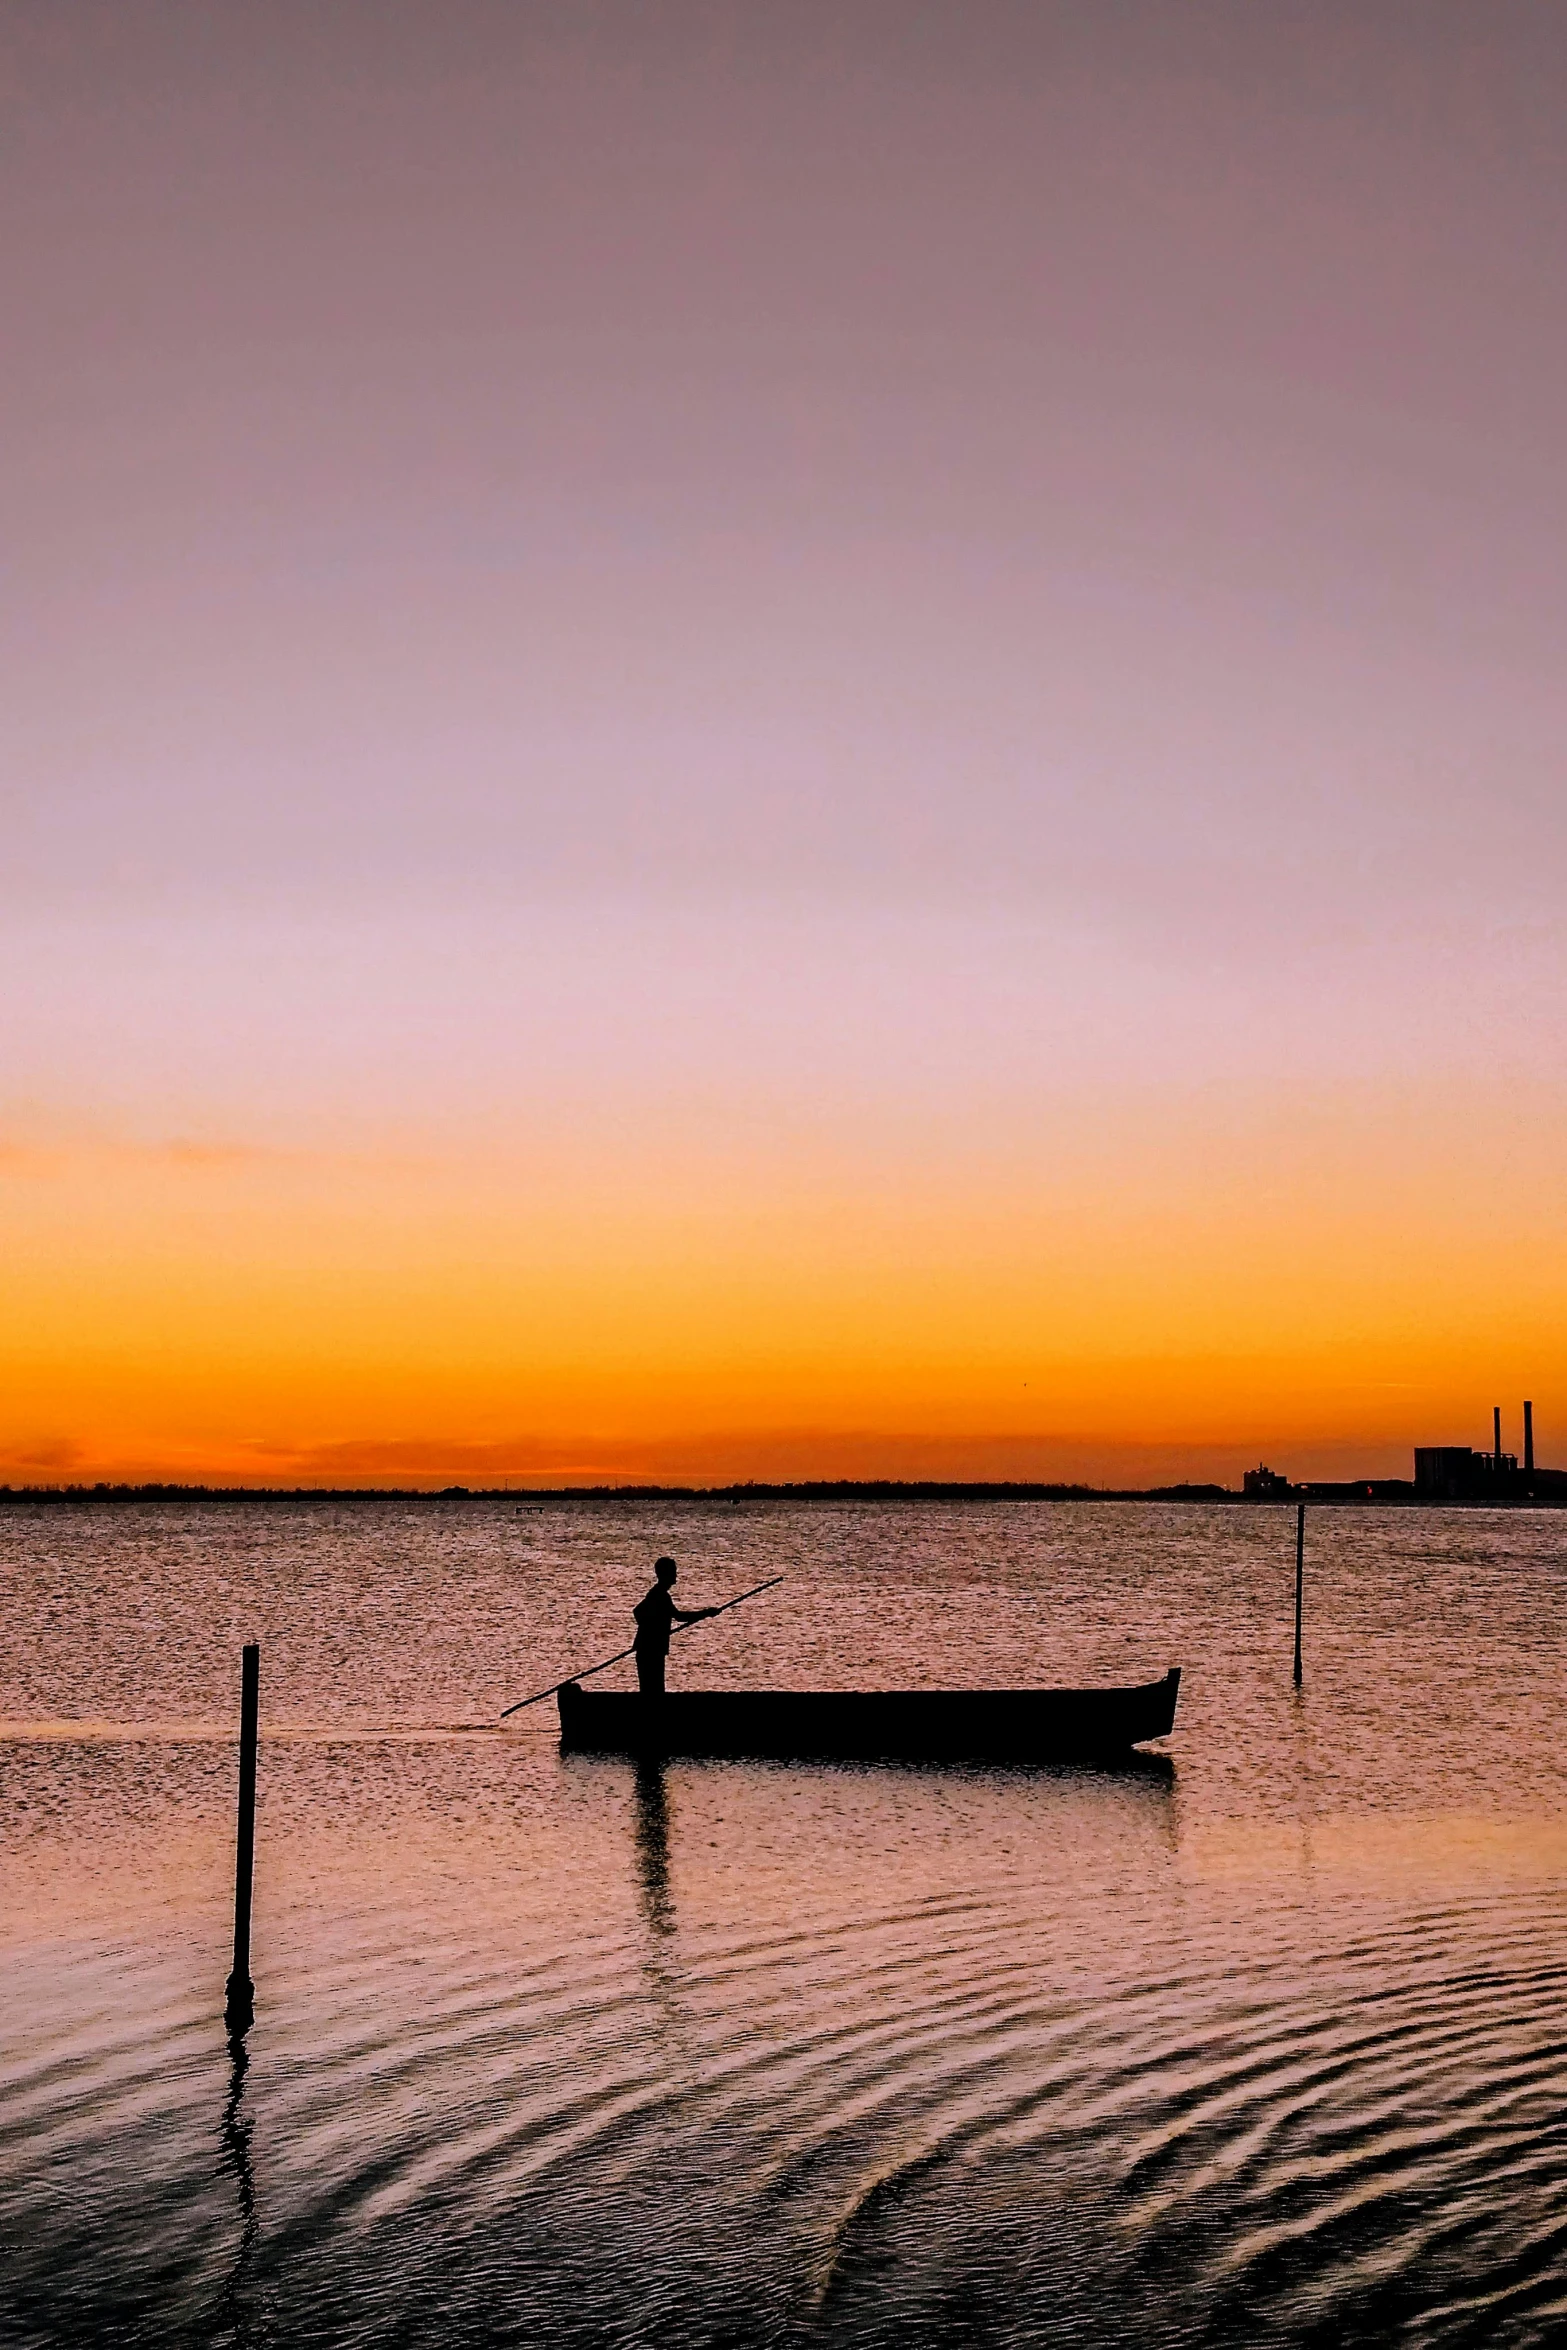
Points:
(1264, 2042)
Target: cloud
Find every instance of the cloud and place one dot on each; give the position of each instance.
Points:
(24, 1158)
(784, 1455)
(46, 1455)
(185, 1153)
(215, 1155)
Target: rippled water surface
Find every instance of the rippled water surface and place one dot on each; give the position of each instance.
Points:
(1264, 2040)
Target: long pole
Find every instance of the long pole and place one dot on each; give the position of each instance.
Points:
(588, 1671)
(1300, 1580)
(240, 2004)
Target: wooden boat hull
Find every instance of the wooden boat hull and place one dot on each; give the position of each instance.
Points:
(990, 1725)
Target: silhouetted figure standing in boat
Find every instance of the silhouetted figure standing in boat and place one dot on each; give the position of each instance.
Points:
(656, 1616)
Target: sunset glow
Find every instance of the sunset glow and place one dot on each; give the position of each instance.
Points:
(730, 765)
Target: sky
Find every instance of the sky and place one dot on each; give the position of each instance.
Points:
(800, 742)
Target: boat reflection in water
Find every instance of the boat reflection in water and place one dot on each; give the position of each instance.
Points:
(651, 1828)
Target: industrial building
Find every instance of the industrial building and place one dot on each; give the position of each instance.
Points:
(1443, 1473)
(1456, 1472)
(1265, 1484)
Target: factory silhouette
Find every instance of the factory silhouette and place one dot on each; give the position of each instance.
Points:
(1443, 1472)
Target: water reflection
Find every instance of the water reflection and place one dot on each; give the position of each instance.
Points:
(1303, 1758)
(238, 2318)
(1264, 2045)
(651, 1834)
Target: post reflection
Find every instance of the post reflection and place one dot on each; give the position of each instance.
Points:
(1302, 1751)
(238, 2318)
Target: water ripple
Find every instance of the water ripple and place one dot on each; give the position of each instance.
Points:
(565, 2053)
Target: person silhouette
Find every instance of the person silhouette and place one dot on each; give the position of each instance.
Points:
(655, 1616)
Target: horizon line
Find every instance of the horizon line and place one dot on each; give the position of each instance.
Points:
(1393, 1490)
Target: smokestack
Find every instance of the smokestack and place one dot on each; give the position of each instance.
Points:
(1496, 1424)
(1528, 1440)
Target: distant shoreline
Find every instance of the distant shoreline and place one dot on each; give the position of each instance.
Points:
(1549, 1491)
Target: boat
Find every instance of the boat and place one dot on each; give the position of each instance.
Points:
(911, 1725)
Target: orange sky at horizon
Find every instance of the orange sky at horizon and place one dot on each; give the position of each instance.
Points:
(1172, 1302)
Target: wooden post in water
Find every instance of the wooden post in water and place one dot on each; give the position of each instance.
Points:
(240, 2006)
(1300, 1580)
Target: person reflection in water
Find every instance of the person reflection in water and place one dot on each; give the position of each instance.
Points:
(655, 1616)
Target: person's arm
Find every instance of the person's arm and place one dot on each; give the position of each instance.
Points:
(694, 1615)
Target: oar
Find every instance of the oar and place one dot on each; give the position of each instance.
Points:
(588, 1671)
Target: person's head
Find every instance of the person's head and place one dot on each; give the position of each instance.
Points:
(666, 1571)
